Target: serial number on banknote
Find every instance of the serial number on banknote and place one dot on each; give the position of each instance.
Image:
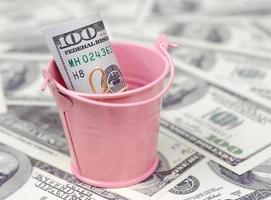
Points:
(91, 56)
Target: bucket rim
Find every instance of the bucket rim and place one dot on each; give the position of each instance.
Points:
(124, 93)
(66, 94)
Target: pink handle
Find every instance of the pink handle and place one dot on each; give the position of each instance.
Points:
(162, 45)
(65, 104)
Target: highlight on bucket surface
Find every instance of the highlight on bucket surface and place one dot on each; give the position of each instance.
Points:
(114, 144)
(84, 56)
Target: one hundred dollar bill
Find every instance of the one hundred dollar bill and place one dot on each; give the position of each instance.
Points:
(37, 132)
(222, 125)
(37, 16)
(227, 33)
(175, 162)
(25, 176)
(212, 8)
(84, 56)
(246, 73)
(21, 80)
(252, 185)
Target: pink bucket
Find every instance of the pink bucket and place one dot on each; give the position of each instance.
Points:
(113, 137)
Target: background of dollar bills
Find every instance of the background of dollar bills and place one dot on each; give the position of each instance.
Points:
(224, 54)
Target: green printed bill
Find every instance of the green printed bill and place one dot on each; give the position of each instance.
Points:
(225, 127)
(214, 182)
(85, 56)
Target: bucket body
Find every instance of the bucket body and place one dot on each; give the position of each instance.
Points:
(114, 145)
(113, 140)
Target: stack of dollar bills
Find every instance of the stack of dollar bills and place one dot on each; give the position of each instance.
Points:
(215, 133)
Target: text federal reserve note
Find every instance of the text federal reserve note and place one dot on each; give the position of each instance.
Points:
(84, 56)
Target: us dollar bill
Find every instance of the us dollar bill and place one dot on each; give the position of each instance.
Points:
(24, 176)
(222, 125)
(21, 80)
(117, 10)
(244, 35)
(230, 34)
(37, 132)
(85, 56)
(26, 43)
(245, 73)
(40, 124)
(175, 161)
(198, 8)
(37, 15)
(252, 185)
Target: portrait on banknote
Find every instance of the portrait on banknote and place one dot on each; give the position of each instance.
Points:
(15, 170)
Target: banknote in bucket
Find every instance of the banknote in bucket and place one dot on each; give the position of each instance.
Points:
(84, 56)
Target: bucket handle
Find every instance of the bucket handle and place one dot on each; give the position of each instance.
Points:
(64, 104)
(162, 45)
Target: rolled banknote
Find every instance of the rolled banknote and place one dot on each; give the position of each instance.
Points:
(84, 56)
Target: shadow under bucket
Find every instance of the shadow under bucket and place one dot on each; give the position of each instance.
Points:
(113, 137)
